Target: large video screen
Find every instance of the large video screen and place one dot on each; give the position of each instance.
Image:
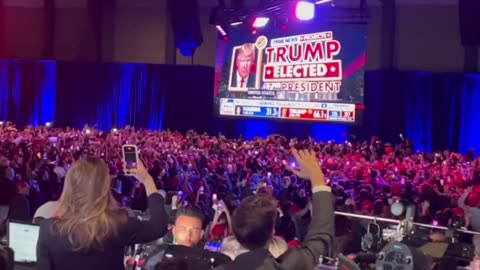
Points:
(313, 73)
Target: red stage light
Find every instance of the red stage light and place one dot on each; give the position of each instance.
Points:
(254, 32)
(226, 38)
(284, 28)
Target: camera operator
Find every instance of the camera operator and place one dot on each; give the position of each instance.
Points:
(88, 231)
(254, 222)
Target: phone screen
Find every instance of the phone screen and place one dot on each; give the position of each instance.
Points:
(130, 156)
(213, 246)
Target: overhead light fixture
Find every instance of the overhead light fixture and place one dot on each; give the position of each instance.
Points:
(236, 23)
(319, 2)
(305, 10)
(260, 22)
(221, 30)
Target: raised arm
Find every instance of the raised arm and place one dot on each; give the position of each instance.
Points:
(319, 238)
(140, 231)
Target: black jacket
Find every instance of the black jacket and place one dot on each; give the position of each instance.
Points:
(317, 242)
(54, 251)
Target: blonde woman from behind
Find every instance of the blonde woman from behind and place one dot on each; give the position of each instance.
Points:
(88, 230)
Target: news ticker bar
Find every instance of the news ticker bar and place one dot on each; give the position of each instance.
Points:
(313, 111)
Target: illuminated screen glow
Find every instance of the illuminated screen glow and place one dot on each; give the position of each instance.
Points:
(312, 72)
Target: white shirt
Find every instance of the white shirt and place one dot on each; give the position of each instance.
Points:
(47, 210)
(239, 81)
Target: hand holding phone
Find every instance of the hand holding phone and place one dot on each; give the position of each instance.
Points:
(174, 202)
(220, 207)
(130, 157)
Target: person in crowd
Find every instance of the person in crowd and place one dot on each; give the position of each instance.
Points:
(232, 248)
(254, 222)
(19, 206)
(88, 232)
(47, 210)
(187, 231)
(365, 177)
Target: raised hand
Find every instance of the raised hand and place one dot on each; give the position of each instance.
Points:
(309, 166)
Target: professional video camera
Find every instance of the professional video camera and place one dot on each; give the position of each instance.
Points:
(409, 247)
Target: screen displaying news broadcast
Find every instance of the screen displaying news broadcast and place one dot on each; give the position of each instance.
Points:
(313, 73)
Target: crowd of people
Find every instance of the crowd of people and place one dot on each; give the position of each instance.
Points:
(204, 185)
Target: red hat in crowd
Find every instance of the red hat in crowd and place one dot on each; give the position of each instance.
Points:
(180, 160)
(458, 212)
(198, 184)
(388, 150)
(366, 206)
(21, 185)
(396, 189)
(473, 199)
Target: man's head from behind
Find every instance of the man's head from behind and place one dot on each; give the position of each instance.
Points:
(188, 229)
(254, 222)
(245, 58)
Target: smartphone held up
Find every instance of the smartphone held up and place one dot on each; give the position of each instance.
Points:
(130, 157)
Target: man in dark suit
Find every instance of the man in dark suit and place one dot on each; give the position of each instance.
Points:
(244, 60)
(254, 222)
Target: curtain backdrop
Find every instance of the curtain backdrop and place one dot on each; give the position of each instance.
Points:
(109, 95)
(27, 91)
(435, 111)
(146, 96)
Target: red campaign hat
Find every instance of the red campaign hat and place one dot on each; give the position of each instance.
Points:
(198, 184)
(458, 211)
(277, 170)
(180, 160)
(367, 205)
(473, 199)
(21, 185)
(396, 190)
(388, 150)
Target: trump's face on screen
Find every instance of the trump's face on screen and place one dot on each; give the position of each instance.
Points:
(245, 59)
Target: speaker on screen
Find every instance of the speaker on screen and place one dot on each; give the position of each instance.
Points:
(469, 11)
(186, 25)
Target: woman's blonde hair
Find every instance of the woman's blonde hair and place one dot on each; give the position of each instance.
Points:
(85, 215)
